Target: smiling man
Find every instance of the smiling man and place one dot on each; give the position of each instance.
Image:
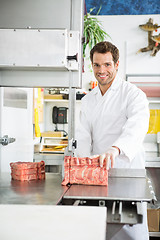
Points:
(105, 69)
(114, 120)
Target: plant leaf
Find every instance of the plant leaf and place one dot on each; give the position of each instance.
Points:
(93, 31)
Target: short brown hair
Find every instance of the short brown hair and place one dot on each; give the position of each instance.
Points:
(104, 47)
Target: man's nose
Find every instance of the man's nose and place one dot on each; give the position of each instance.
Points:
(102, 68)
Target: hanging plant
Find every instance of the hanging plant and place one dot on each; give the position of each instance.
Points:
(93, 31)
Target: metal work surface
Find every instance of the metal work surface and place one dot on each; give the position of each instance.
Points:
(52, 222)
(38, 192)
(127, 192)
(123, 184)
(152, 160)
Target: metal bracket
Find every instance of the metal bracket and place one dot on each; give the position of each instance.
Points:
(140, 211)
(76, 203)
(116, 211)
(74, 57)
(5, 140)
(72, 144)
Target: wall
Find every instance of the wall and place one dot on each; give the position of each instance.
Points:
(129, 38)
(36, 14)
(16, 122)
(49, 126)
(123, 7)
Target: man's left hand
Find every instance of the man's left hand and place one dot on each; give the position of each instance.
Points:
(109, 155)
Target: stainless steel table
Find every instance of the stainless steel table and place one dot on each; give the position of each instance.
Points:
(152, 160)
(28, 211)
(122, 199)
(41, 192)
(127, 190)
(125, 185)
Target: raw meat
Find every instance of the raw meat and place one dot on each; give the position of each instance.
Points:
(84, 171)
(23, 165)
(26, 177)
(26, 171)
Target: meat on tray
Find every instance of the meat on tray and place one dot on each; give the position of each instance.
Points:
(84, 171)
(26, 171)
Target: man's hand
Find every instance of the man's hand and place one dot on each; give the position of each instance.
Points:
(109, 155)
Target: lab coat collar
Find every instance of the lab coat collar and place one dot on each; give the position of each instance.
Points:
(115, 85)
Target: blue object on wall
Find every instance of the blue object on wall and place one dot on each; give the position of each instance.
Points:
(124, 7)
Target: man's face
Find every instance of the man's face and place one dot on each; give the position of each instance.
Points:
(104, 68)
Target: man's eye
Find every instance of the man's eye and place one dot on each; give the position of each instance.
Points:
(96, 65)
(107, 64)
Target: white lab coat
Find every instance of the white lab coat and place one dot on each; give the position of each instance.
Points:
(118, 118)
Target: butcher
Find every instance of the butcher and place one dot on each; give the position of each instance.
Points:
(114, 120)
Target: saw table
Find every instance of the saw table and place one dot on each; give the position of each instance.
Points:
(121, 201)
(127, 190)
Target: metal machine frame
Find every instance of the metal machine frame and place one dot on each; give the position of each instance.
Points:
(34, 75)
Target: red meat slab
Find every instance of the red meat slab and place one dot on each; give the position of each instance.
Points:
(84, 171)
(26, 171)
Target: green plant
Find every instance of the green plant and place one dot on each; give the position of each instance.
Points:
(93, 31)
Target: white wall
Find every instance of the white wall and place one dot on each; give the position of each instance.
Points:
(129, 38)
(16, 122)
